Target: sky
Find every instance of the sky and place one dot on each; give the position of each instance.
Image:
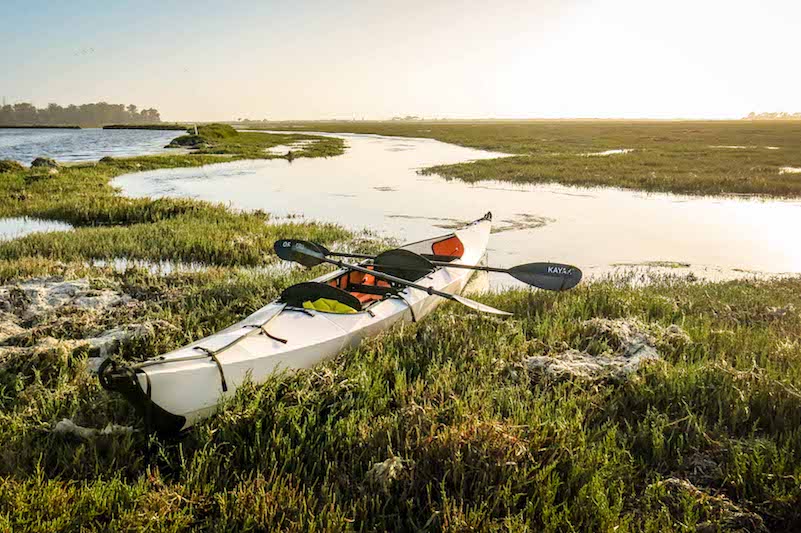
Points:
(317, 59)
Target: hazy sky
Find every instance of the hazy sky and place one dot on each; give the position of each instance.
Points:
(318, 59)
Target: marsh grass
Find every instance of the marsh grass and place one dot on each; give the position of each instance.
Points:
(222, 139)
(703, 158)
(439, 425)
(109, 225)
(477, 441)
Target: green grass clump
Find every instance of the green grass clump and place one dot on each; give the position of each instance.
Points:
(688, 157)
(222, 139)
(187, 141)
(215, 132)
(467, 436)
(203, 136)
(224, 239)
(7, 166)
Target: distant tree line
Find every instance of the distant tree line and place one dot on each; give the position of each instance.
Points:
(773, 116)
(25, 114)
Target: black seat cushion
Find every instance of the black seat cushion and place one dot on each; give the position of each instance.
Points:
(310, 291)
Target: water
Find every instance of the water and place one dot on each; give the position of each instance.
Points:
(375, 186)
(15, 227)
(282, 149)
(25, 145)
(166, 267)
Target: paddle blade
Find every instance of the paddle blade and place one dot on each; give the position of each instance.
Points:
(548, 276)
(479, 306)
(298, 252)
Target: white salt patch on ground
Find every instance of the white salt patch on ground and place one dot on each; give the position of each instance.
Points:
(383, 474)
(584, 365)
(68, 427)
(42, 300)
(42, 295)
(790, 170)
(608, 152)
(8, 326)
(731, 146)
(632, 343)
(742, 147)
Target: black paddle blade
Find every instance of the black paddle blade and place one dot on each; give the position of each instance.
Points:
(403, 264)
(287, 249)
(548, 276)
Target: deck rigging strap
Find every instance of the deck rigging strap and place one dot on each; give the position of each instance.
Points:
(264, 331)
(257, 328)
(299, 310)
(411, 309)
(214, 358)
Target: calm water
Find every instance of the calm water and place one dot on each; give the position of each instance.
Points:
(375, 186)
(24, 145)
(14, 227)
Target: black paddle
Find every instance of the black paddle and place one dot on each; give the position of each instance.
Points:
(299, 252)
(547, 276)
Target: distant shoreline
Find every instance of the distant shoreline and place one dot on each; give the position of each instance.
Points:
(167, 127)
(38, 127)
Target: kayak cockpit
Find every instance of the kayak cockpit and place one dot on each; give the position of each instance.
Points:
(320, 297)
(352, 291)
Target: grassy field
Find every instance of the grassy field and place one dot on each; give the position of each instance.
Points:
(110, 226)
(705, 158)
(461, 422)
(465, 433)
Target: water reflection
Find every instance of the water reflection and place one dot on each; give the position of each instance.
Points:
(15, 227)
(376, 186)
(90, 144)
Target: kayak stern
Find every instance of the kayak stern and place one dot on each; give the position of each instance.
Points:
(124, 380)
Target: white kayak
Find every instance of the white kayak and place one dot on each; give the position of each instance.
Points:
(176, 390)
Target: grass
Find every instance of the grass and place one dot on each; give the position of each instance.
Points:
(222, 139)
(477, 441)
(466, 435)
(109, 225)
(677, 157)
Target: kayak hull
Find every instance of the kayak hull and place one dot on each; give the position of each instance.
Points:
(178, 389)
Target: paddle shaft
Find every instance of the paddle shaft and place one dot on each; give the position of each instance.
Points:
(381, 275)
(437, 263)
